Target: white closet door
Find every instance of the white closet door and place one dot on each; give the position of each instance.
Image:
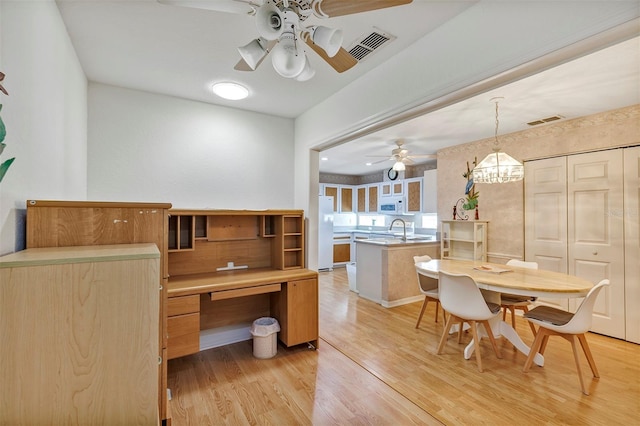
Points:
(632, 242)
(596, 232)
(546, 217)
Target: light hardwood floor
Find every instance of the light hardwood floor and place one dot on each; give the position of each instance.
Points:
(374, 367)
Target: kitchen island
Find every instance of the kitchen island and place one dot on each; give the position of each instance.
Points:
(385, 271)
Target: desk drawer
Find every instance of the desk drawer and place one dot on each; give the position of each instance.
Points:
(184, 335)
(183, 305)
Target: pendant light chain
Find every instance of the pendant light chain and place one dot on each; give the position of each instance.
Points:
(497, 124)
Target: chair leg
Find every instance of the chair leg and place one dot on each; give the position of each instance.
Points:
(437, 308)
(572, 339)
(587, 352)
(531, 326)
(513, 316)
(476, 340)
(424, 306)
(504, 313)
(492, 339)
(445, 334)
(444, 314)
(535, 346)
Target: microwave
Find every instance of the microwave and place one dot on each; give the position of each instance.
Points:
(393, 205)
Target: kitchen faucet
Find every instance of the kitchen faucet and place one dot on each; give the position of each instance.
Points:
(404, 228)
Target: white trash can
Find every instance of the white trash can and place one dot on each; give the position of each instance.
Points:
(351, 276)
(265, 337)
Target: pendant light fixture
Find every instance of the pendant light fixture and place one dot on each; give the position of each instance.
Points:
(498, 167)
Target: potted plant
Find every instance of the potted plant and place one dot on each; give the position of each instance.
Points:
(3, 133)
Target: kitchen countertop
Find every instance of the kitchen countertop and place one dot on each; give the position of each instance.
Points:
(398, 241)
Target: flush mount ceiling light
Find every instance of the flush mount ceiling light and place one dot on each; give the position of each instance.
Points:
(230, 91)
(498, 167)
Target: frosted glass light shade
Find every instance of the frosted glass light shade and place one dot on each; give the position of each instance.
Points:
(399, 166)
(307, 73)
(498, 167)
(287, 57)
(329, 39)
(252, 53)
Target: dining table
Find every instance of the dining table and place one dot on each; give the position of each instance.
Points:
(496, 279)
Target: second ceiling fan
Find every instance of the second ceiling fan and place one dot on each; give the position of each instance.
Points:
(281, 30)
(401, 156)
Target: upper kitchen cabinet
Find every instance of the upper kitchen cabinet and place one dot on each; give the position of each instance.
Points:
(343, 197)
(367, 198)
(346, 199)
(391, 188)
(413, 195)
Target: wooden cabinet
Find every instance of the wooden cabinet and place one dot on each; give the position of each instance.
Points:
(367, 198)
(297, 325)
(391, 188)
(84, 223)
(80, 335)
(341, 248)
(183, 326)
(361, 199)
(413, 195)
(464, 239)
(346, 199)
(332, 191)
(372, 191)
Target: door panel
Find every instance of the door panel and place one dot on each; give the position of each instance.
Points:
(595, 235)
(546, 217)
(631, 214)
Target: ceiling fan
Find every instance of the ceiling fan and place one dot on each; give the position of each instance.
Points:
(281, 31)
(401, 156)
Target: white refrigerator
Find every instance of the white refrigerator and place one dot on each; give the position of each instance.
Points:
(325, 233)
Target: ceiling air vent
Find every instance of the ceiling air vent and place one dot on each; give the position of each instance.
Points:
(369, 42)
(545, 120)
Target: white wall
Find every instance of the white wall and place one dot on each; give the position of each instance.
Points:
(466, 56)
(156, 148)
(45, 113)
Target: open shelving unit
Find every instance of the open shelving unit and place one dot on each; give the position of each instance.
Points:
(464, 239)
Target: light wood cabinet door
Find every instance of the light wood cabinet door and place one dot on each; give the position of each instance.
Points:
(373, 198)
(362, 199)
(414, 196)
(299, 299)
(346, 200)
(341, 252)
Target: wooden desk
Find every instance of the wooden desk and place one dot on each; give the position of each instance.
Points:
(520, 281)
(225, 299)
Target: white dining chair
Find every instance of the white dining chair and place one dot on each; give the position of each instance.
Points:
(463, 301)
(556, 322)
(511, 302)
(429, 287)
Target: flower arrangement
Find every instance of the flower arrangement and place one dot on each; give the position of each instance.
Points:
(3, 133)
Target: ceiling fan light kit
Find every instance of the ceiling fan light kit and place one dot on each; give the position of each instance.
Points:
(279, 22)
(498, 167)
(399, 166)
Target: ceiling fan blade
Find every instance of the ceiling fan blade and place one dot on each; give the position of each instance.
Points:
(422, 156)
(381, 161)
(332, 8)
(341, 62)
(230, 6)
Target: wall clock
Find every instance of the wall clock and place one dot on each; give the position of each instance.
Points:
(392, 174)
